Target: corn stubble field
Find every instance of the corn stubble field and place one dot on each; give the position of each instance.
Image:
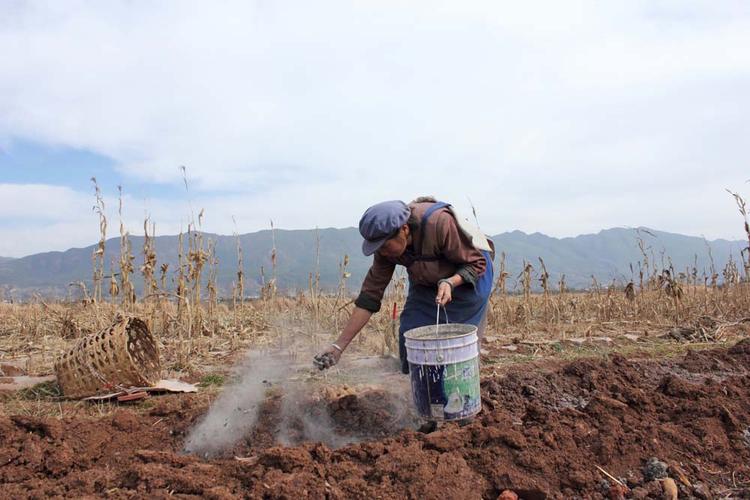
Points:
(629, 390)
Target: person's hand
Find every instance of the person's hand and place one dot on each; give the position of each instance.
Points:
(444, 293)
(327, 358)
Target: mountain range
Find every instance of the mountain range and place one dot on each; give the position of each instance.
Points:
(607, 255)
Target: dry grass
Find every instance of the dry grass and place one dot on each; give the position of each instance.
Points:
(40, 331)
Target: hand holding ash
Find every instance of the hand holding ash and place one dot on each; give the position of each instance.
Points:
(328, 357)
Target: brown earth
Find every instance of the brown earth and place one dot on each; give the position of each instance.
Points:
(541, 434)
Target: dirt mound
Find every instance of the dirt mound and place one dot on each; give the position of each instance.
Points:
(335, 416)
(541, 434)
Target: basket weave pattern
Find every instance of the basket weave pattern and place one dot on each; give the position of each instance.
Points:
(123, 355)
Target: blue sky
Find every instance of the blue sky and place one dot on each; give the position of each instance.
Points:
(25, 162)
(563, 118)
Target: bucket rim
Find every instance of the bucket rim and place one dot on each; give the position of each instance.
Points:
(465, 330)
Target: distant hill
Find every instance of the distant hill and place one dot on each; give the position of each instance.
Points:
(606, 255)
(609, 254)
(5, 259)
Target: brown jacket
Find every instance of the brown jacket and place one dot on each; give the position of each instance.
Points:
(446, 249)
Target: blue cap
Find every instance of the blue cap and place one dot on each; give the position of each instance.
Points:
(380, 222)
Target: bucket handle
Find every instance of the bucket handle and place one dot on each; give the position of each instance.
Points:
(437, 318)
(440, 356)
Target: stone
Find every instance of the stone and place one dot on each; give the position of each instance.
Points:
(670, 489)
(508, 495)
(654, 469)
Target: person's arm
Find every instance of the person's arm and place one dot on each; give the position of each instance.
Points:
(354, 325)
(375, 283)
(445, 288)
(367, 303)
(457, 248)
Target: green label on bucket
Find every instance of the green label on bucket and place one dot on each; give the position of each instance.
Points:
(446, 392)
(461, 388)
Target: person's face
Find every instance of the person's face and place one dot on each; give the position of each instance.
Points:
(396, 246)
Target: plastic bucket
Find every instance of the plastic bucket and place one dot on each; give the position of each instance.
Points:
(444, 368)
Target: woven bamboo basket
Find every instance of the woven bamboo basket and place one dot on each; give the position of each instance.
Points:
(121, 356)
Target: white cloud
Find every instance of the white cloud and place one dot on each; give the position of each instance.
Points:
(39, 217)
(562, 117)
(40, 201)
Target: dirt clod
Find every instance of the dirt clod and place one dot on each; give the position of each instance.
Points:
(616, 492)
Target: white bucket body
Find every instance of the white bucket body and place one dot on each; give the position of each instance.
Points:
(444, 368)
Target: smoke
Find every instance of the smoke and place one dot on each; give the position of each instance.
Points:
(307, 399)
(374, 401)
(300, 423)
(235, 412)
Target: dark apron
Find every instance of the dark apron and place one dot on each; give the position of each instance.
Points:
(468, 306)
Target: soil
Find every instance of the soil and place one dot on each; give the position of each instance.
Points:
(541, 434)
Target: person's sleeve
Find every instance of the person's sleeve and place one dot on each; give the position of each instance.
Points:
(457, 248)
(375, 283)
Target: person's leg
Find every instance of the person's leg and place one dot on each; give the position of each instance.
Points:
(467, 307)
(402, 352)
(482, 325)
(419, 310)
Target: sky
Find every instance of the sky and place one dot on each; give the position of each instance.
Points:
(559, 117)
